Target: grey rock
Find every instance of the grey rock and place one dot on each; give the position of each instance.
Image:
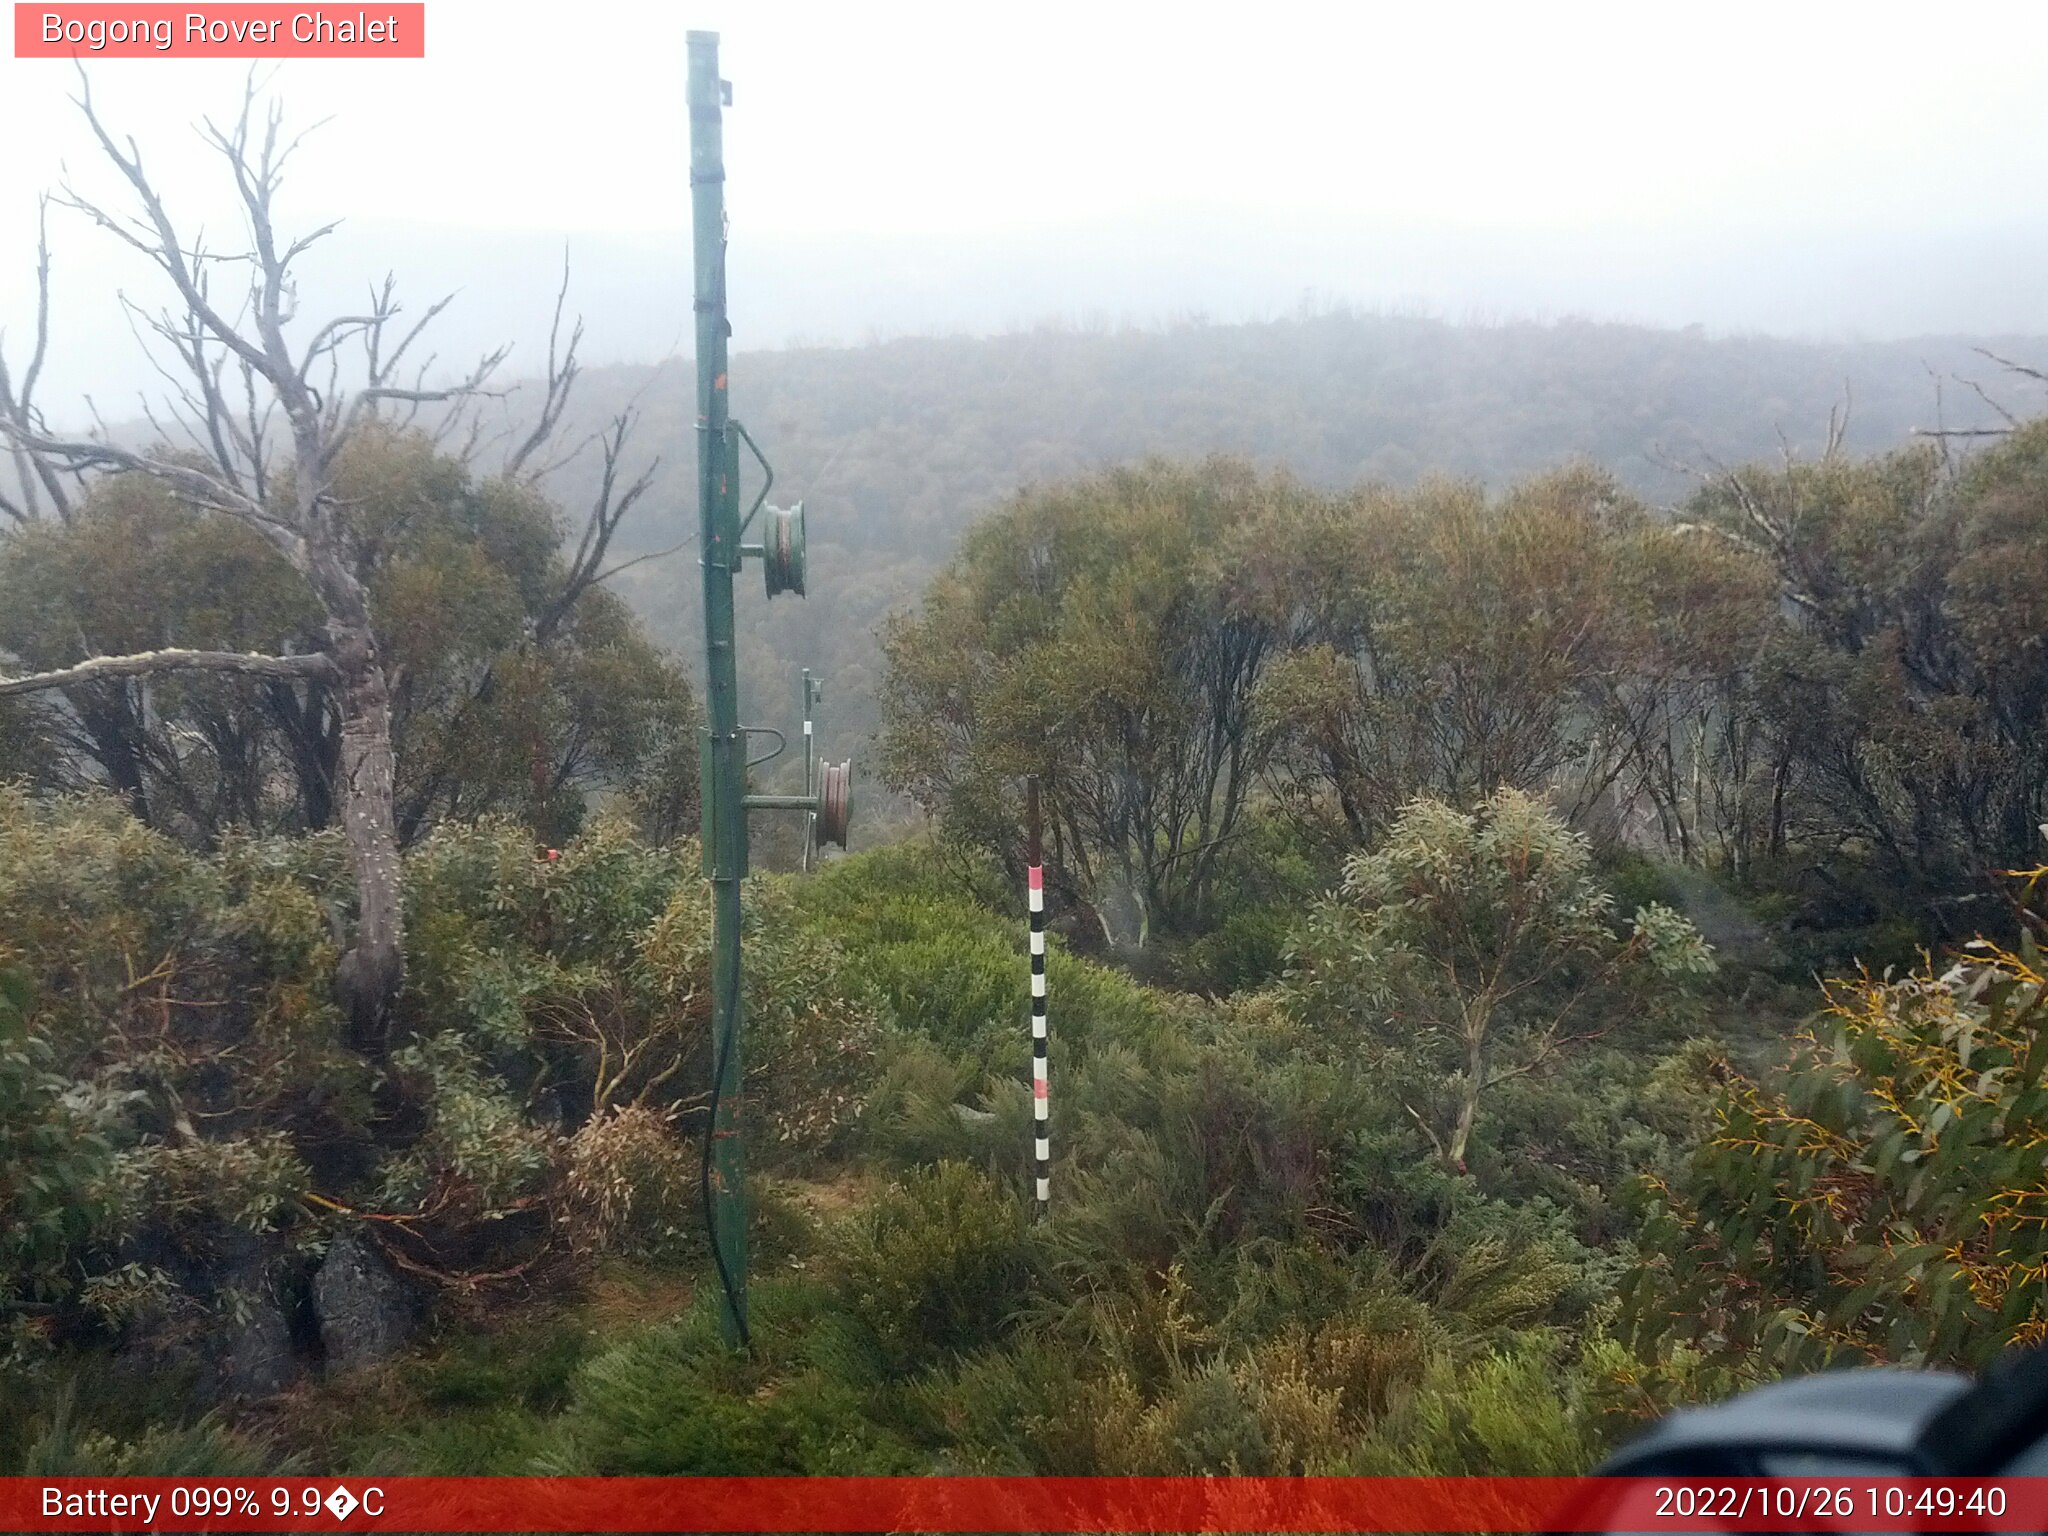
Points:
(259, 1359)
(225, 1330)
(366, 1312)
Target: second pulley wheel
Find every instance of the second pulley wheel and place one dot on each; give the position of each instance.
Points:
(835, 802)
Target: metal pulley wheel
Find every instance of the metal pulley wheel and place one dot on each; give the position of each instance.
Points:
(782, 550)
(835, 802)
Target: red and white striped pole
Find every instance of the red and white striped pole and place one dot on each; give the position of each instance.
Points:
(1034, 877)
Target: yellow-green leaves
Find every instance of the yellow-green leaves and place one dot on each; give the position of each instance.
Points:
(1886, 1199)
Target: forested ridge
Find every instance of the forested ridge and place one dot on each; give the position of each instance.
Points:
(896, 447)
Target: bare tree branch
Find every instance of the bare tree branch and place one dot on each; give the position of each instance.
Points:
(207, 489)
(608, 510)
(17, 406)
(2010, 366)
(1982, 394)
(164, 247)
(1838, 424)
(152, 663)
(657, 554)
(561, 378)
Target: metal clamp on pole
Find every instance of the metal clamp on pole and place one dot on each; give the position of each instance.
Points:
(827, 800)
(830, 802)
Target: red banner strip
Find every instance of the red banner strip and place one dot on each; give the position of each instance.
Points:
(378, 30)
(1021, 1504)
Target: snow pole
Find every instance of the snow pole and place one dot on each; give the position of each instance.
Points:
(1034, 878)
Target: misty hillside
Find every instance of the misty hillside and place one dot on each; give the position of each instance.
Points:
(897, 447)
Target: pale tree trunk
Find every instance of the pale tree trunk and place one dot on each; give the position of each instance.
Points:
(372, 973)
(1476, 1032)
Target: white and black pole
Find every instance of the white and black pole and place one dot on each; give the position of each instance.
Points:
(1034, 877)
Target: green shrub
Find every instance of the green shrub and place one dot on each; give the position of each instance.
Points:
(662, 1425)
(814, 1033)
(1634, 879)
(1033, 1407)
(501, 1440)
(911, 1116)
(530, 1367)
(248, 1182)
(1248, 949)
(677, 1400)
(1207, 1422)
(944, 968)
(476, 1132)
(952, 970)
(53, 1168)
(85, 1422)
(935, 1264)
(1581, 1137)
(207, 1448)
(632, 1184)
(1523, 1410)
(591, 973)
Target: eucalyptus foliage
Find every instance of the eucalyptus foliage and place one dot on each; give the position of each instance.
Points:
(1884, 1199)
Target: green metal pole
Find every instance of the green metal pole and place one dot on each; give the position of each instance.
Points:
(724, 747)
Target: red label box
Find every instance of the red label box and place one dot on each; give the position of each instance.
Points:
(237, 31)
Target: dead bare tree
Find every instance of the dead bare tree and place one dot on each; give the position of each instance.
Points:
(37, 476)
(256, 422)
(1944, 434)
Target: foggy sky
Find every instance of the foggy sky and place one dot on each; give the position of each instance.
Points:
(1825, 170)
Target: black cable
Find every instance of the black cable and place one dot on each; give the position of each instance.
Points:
(725, 1279)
